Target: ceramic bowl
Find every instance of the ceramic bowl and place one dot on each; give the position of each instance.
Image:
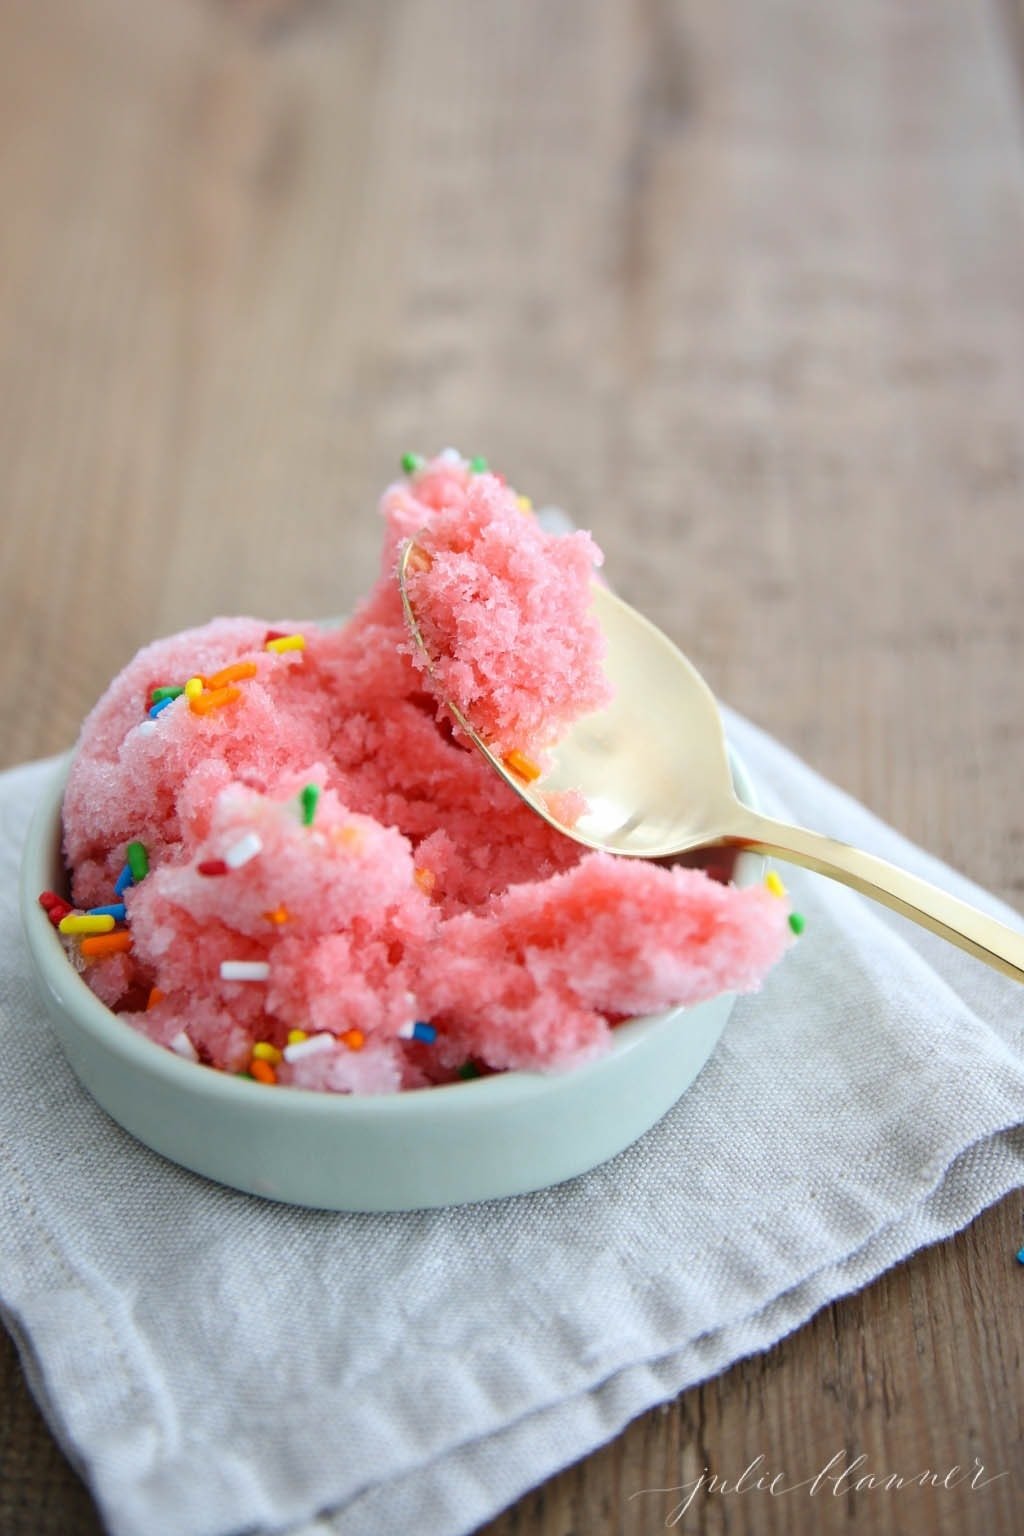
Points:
(477, 1140)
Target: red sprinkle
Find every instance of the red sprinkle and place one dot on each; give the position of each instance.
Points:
(274, 634)
(212, 867)
(55, 907)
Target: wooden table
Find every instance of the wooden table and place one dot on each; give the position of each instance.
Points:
(742, 286)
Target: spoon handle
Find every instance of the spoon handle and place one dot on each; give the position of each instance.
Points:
(924, 903)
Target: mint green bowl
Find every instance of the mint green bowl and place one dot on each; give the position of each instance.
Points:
(477, 1140)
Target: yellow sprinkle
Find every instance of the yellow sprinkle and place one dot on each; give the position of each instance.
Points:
(279, 915)
(296, 1035)
(524, 766)
(77, 922)
(193, 688)
(524, 503)
(774, 884)
(286, 643)
(264, 1051)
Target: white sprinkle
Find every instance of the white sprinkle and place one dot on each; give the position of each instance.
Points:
(244, 970)
(146, 728)
(407, 1031)
(245, 849)
(182, 1045)
(314, 1046)
(450, 456)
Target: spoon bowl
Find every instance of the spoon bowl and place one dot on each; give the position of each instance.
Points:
(654, 770)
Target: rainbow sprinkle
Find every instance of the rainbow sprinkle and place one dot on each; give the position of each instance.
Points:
(282, 643)
(244, 970)
(237, 672)
(80, 922)
(314, 1045)
(419, 1030)
(240, 853)
(97, 946)
(205, 703)
(521, 765)
(212, 867)
(55, 907)
(138, 862)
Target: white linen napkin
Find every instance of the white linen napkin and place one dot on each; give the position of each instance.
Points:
(214, 1363)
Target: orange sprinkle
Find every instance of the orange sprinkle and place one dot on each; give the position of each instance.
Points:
(205, 702)
(262, 1071)
(425, 879)
(417, 559)
(348, 836)
(236, 673)
(279, 915)
(106, 944)
(354, 1039)
(522, 765)
(155, 996)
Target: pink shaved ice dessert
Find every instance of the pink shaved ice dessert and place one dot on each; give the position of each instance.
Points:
(503, 611)
(313, 879)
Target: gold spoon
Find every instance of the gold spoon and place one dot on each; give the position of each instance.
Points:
(654, 770)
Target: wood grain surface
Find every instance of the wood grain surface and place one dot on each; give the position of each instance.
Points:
(742, 286)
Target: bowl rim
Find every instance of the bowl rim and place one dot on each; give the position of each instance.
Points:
(69, 992)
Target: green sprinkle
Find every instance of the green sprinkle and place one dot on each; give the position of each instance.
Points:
(411, 462)
(478, 466)
(309, 797)
(468, 1071)
(165, 693)
(138, 861)
(246, 1074)
(796, 922)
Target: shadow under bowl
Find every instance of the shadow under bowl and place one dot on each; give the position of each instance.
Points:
(483, 1139)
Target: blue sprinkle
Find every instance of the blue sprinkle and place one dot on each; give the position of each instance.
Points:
(425, 1032)
(160, 707)
(115, 910)
(123, 881)
(1020, 1256)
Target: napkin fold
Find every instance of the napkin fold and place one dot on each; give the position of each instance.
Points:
(215, 1364)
